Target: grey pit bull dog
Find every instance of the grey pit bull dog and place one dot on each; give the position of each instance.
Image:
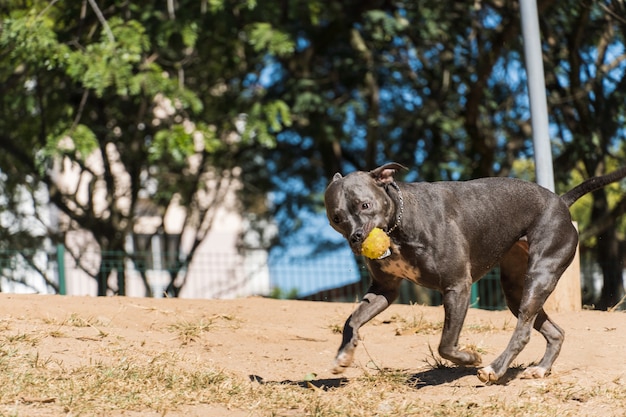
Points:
(447, 235)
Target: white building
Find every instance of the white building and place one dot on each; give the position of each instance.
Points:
(220, 268)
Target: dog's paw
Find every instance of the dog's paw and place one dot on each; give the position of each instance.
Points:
(338, 369)
(534, 372)
(487, 375)
(463, 357)
(473, 358)
(342, 361)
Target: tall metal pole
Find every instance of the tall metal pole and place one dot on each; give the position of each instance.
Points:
(537, 94)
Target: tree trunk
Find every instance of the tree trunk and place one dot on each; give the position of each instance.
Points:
(607, 251)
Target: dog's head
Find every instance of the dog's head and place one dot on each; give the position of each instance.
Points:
(358, 202)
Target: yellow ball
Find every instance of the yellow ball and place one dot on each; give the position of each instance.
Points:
(376, 244)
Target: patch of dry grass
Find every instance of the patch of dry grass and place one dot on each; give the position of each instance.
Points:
(166, 382)
(416, 323)
(159, 384)
(189, 331)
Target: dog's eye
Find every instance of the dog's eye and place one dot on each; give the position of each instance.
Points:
(336, 219)
(365, 206)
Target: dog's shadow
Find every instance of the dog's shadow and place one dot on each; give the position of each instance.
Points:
(322, 384)
(438, 376)
(447, 374)
(428, 378)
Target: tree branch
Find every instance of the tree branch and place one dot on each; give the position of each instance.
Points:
(102, 20)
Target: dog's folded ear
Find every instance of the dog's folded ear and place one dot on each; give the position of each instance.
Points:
(384, 173)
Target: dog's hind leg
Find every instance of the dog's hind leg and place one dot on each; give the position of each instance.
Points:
(377, 299)
(549, 256)
(554, 336)
(513, 269)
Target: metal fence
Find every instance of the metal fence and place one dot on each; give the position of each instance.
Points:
(332, 277)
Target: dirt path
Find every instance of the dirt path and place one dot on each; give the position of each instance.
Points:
(261, 340)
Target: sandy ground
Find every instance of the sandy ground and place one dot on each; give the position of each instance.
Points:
(278, 340)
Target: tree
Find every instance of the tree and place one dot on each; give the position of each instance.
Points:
(587, 95)
(139, 103)
(295, 91)
(440, 87)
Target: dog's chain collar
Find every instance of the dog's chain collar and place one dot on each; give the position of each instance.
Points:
(399, 218)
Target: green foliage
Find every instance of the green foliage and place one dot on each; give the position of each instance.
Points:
(384, 26)
(181, 141)
(30, 39)
(78, 141)
(111, 63)
(266, 121)
(156, 93)
(264, 38)
(293, 92)
(176, 142)
(189, 34)
(582, 209)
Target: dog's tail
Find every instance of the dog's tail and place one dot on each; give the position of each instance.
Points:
(592, 184)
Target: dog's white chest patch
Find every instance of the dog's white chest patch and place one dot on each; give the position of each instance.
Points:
(396, 265)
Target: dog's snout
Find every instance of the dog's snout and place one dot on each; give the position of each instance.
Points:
(356, 237)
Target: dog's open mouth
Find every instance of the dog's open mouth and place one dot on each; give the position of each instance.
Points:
(385, 255)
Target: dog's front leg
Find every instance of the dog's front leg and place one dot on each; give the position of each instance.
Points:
(375, 301)
(455, 303)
